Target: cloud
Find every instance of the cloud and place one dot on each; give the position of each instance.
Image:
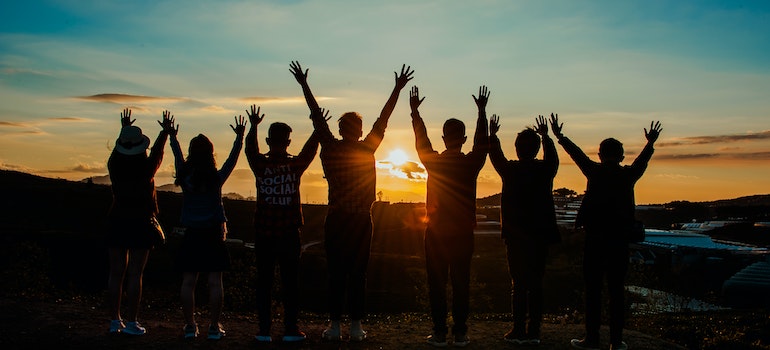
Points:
(15, 124)
(70, 119)
(268, 100)
(125, 98)
(409, 170)
(704, 140)
(677, 176)
(724, 156)
(85, 168)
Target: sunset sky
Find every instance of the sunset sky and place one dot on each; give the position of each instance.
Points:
(68, 68)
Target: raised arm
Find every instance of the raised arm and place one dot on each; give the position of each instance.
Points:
(550, 157)
(422, 142)
(252, 143)
(496, 154)
(577, 154)
(481, 137)
(239, 129)
(320, 118)
(374, 138)
(309, 150)
(156, 151)
(296, 69)
(645, 155)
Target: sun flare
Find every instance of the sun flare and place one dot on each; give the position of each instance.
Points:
(397, 157)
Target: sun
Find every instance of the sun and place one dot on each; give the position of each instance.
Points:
(397, 157)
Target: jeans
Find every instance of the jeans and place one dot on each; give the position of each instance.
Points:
(526, 265)
(602, 260)
(348, 238)
(448, 257)
(285, 251)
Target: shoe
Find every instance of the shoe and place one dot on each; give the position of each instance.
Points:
(216, 332)
(263, 337)
(116, 326)
(514, 338)
(621, 346)
(461, 341)
(134, 328)
(582, 344)
(533, 341)
(190, 331)
(357, 335)
(437, 340)
(331, 334)
(294, 336)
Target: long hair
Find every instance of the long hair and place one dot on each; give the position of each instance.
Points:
(200, 167)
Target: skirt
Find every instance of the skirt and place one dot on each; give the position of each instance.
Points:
(203, 250)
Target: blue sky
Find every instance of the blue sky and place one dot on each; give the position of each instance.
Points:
(67, 69)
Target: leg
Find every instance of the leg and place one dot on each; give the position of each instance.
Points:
(593, 275)
(538, 257)
(333, 242)
(189, 280)
(362, 241)
(136, 262)
(288, 259)
(118, 263)
(616, 276)
(517, 267)
(438, 270)
(264, 248)
(216, 296)
(460, 273)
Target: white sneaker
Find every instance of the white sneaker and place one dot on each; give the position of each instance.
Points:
(331, 334)
(134, 328)
(116, 326)
(357, 335)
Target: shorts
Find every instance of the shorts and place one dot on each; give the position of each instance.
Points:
(130, 233)
(203, 250)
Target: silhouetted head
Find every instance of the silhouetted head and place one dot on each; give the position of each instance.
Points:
(611, 151)
(278, 136)
(454, 134)
(199, 168)
(527, 144)
(200, 147)
(131, 141)
(351, 126)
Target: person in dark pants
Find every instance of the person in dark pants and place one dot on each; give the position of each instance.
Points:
(277, 221)
(451, 209)
(528, 222)
(134, 206)
(349, 169)
(607, 215)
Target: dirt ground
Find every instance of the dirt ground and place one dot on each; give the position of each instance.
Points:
(79, 324)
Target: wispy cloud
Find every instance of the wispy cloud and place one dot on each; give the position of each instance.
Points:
(70, 119)
(14, 124)
(408, 170)
(85, 168)
(269, 99)
(126, 98)
(704, 140)
(725, 156)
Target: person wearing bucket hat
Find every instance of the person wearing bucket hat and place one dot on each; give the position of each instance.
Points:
(203, 249)
(129, 237)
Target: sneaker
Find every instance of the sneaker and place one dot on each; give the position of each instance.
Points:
(461, 340)
(134, 328)
(331, 334)
(116, 326)
(263, 337)
(216, 332)
(533, 341)
(514, 338)
(621, 346)
(357, 335)
(582, 344)
(294, 336)
(437, 340)
(190, 331)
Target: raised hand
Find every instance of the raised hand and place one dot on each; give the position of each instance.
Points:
(541, 127)
(321, 113)
(125, 118)
(481, 101)
(414, 98)
(168, 124)
(494, 125)
(254, 116)
(655, 129)
(404, 77)
(555, 126)
(296, 69)
(240, 125)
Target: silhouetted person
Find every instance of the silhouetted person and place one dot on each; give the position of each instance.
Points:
(607, 214)
(349, 168)
(203, 249)
(134, 204)
(451, 211)
(528, 222)
(277, 221)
